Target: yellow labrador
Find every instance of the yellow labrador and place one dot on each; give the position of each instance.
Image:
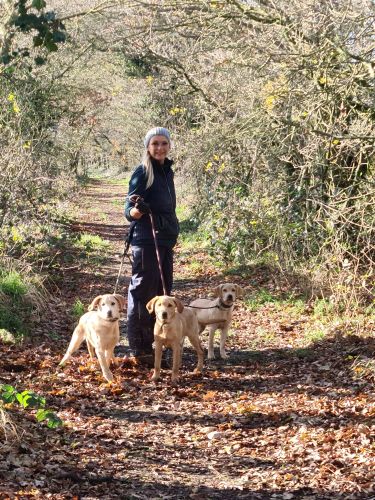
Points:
(217, 314)
(173, 324)
(100, 328)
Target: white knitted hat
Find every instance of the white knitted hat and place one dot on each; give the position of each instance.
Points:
(156, 131)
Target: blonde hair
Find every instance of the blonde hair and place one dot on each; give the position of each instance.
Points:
(147, 165)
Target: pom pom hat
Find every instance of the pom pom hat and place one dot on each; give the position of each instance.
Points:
(156, 131)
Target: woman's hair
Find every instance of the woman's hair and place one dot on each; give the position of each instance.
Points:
(147, 165)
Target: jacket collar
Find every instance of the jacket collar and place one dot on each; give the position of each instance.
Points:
(167, 163)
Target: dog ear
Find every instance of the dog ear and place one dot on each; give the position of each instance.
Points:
(179, 304)
(217, 291)
(94, 304)
(150, 306)
(121, 301)
(239, 291)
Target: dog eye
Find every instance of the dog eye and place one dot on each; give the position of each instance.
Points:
(113, 303)
(170, 305)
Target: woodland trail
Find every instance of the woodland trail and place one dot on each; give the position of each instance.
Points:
(280, 419)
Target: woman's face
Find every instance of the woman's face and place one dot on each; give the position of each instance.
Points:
(159, 147)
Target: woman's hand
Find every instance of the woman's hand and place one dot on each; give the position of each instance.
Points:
(135, 213)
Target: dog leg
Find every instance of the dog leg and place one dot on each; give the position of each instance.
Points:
(104, 366)
(109, 356)
(176, 361)
(223, 338)
(157, 362)
(194, 339)
(211, 332)
(91, 349)
(76, 341)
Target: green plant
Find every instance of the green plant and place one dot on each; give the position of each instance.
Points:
(78, 309)
(11, 283)
(22, 294)
(261, 298)
(91, 243)
(323, 308)
(28, 399)
(314, 335)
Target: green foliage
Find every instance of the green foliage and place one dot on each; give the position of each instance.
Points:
(22, 296)
(30, 400)
(258, 300)
(12, 284)
(323, 308)
(314, 334)
(14, 308)
(11, 321)
(91, 243)
(48, 31)
(78, 309)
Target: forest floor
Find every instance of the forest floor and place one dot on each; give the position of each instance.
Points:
(290, 414)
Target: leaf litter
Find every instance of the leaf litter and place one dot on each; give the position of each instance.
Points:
(275, 420)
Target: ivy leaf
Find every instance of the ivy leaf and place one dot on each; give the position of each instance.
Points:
(38, 4)
(39, 61)
(53, 421)
(8, 393)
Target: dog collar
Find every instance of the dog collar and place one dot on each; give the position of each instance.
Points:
(111, 320)
(224, 306)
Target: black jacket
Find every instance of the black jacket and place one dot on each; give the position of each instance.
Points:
(161, 197)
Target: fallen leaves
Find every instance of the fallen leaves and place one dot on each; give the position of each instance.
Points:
(278, 420)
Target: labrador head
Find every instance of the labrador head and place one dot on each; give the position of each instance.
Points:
(108, 306)
(164, 307)
(228, 292)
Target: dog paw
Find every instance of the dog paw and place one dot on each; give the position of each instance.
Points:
(224, 355)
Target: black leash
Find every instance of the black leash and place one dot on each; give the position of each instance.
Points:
(157, 253)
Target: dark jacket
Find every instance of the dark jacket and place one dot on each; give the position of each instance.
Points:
(161, 197)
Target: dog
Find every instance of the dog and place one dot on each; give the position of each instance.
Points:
(100, 328)
(173, 323)
(217, 314)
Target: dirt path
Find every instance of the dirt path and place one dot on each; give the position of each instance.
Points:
(277, 420)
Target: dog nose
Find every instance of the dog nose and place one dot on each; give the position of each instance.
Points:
(230, 297)
(109, 314)
(164, 315)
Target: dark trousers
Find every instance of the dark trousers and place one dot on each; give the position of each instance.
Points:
(145, 284)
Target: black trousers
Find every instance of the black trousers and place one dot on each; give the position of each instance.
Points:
(145, 284)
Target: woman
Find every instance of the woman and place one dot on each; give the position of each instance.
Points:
(153, 182)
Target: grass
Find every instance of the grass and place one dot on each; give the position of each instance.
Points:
(11, 283)
(323, 308)
(91, 243)
(22, 296)
(13, 290)
(78, 309)
(314, 335)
